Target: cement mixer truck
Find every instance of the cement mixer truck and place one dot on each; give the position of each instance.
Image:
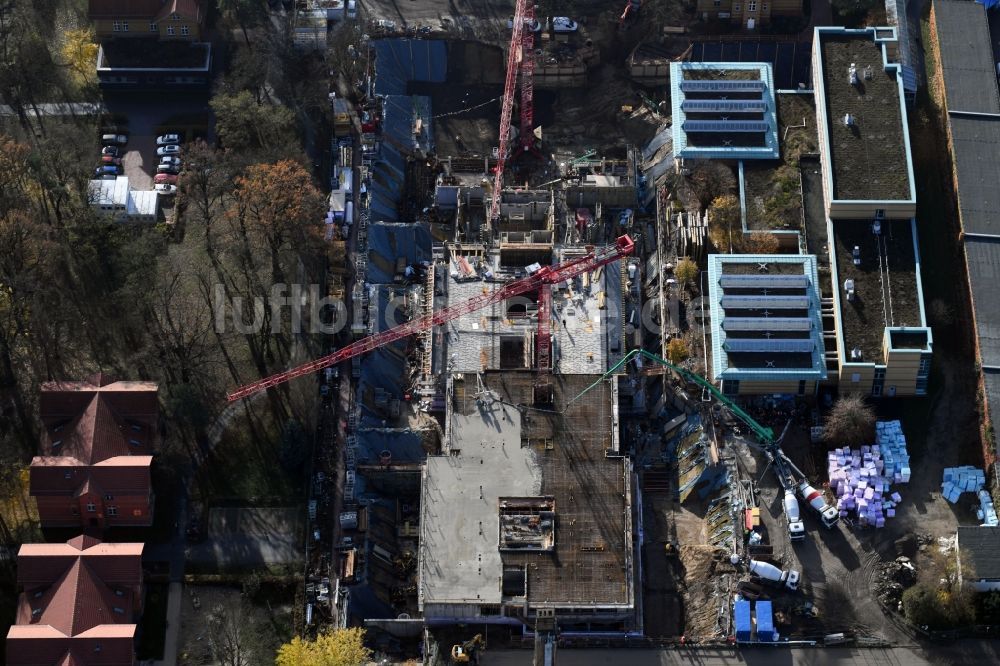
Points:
(772, 575)
(796, 530)
(828, 515)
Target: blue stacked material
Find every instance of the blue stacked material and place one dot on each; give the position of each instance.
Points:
(765, 623)
(741, 618)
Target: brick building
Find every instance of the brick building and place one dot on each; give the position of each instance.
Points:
(79, 604)
(97, 443)
(748, 13)
(180, 20)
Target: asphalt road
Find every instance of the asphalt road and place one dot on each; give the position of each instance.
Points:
(968, 652)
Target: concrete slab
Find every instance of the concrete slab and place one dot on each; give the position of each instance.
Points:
(460, 496)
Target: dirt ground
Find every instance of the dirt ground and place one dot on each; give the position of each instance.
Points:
(199, 603)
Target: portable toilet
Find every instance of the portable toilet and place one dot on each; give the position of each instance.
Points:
(765, 623)
(741, 618)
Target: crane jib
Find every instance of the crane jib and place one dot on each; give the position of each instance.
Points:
(595, 258)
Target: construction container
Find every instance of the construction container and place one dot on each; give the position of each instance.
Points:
(765, 622)
(741, 620)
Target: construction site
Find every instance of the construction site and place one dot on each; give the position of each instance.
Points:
(552, 435)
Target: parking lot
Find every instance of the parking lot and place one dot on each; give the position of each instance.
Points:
(144, 116)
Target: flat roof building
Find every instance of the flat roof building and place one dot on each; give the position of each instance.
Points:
(767, 331)
(862, 125)
(723, 110)
(527, 508)
(114, 199)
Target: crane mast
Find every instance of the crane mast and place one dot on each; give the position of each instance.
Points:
(514, 55)
(543, 277)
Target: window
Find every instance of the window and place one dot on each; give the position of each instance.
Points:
(716, 3)
(185, 31)
(117, 26)
(135, 442)
(752, 6)
(91, 508)
(56, 444)
(924, 369)
(109, 497)
(119, 593)
(112, 511)
(802, 387)
(856, 377)
(119, 610)
(68, 475)
(152, 26)
(136, 512)
(175, 17)
(763, 7)
(736, 7)
(880, 213)
(170, 30)
(124, 26)
(730, 386)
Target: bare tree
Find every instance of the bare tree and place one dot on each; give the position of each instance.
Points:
(851, 422)
(233, 634)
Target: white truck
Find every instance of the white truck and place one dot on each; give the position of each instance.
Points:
(796, 530)
(772, 575)
(828, 515)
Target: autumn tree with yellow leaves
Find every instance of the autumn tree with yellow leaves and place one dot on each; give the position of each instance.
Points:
(340, 647)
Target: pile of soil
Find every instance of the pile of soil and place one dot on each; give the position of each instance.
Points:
(704, 588)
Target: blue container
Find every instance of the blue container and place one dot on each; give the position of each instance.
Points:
(765, 623)
(741, 618)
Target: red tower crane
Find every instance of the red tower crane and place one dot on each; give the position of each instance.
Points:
(547, 275)
(515, 54)
(528, 80)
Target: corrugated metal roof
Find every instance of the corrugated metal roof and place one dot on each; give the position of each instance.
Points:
(979, 552)
(983, 258)
(970, 81)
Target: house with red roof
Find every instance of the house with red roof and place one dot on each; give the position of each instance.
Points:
(163, 19)
(79, 604)
(95, 455)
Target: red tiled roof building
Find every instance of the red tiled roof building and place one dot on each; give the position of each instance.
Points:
(79, 604)
(93, 467)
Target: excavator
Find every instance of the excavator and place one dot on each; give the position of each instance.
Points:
(466, 652)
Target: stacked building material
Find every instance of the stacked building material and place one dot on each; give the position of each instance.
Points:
(892, 444)
(858, 479)
(958, 480)
(969, 479)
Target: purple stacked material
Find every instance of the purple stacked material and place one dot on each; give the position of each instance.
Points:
(860, 479)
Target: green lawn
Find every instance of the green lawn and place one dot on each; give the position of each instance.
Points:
(244, 467)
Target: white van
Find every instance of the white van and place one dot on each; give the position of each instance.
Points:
(352, 9)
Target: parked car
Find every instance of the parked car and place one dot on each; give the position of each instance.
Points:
(171, 149)
(166, 189)
(111, 159)
(167, 139)
(114, 139)
(352, 9)
(170, 178)
(171, 160)
(107, 170)
(564, 24)
(167, 168)
(110, 150)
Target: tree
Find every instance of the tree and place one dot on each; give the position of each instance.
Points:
(245, 12)
(760, 242)
(686, 271)
(851, 422)
(233, 634)
(79, 52)
(246, 126)
(724, 226)
(340, 647)
(677, 351)
(926, 605)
